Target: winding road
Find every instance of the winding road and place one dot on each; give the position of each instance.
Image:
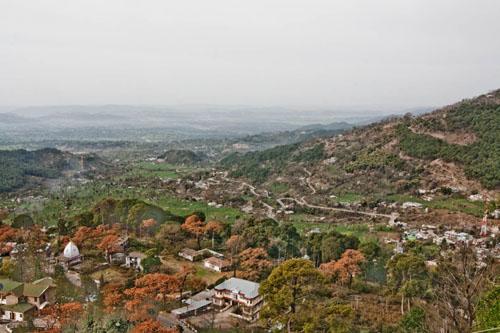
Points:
(270, 210)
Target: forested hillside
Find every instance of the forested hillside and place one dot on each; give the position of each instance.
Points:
(457, 146)
(18, 165)
(259, 165)
(182, 156)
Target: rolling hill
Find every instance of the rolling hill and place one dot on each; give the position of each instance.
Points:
(182, 156)
(456, 147)
(18, 166)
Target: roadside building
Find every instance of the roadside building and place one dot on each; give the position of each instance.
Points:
(192, 308)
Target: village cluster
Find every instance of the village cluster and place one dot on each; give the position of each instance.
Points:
(482, 239)
(22, 304)
(192, 247)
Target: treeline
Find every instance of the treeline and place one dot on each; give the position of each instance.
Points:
(17, 164)
(130, 213)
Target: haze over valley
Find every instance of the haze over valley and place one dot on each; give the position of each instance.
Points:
(250, 166)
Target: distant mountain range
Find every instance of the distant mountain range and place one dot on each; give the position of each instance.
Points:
(157, 123)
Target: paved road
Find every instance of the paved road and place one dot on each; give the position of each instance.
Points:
(302, 202)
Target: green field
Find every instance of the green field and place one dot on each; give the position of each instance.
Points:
(278, 187)
(302, 225)
(73, 200)
(183, 207)
(156, 170)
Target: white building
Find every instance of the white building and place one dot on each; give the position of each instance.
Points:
(71, 256)
(134, 260)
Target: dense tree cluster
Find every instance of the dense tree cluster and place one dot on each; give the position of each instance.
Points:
(17, 164)
(259, 165)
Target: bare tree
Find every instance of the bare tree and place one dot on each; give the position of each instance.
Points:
(460, 280)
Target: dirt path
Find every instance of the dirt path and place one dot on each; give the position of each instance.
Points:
(308, 181)
(270, 210)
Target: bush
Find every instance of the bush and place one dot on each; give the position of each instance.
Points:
(362, 287)
(414, 321)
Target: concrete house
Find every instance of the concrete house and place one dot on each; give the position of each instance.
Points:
(217, 264)
(241, 293)
(116, 255)
(190, 254)
(193, 255)
(18, 301)
(40, 293)
(16, 313)
(134, 259)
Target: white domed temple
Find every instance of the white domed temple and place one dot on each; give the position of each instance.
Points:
(71, 255)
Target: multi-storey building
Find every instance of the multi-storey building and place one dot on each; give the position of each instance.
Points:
(241, 293)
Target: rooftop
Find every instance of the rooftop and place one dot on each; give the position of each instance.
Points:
(10, 286)
(136, 254)
(189, 251)
(71, 251)
(218, 262)
(192, 306)
(248, 288)
(37, 288)
(20, 307)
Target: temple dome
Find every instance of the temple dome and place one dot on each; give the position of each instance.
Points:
(71, 251)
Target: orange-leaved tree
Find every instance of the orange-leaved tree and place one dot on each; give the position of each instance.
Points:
(195, 226)
(213, 227)
(148, 225)
(66, 314)
(328, 269)
(112, 296)
(348, 265)
(146, 290)
(8, 234)
(254, 263)
(108, 242)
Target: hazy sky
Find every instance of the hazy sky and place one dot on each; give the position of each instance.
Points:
(255, 52)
